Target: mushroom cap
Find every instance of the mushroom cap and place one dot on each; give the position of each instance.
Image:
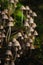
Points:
(28, 44)
(30, 11)
(6, 11)
(31, 29)
(7, 59)
(29, 34)
(27, 8)
(35, 33)
(31, 20)
(14, 40)
(16, 0)
(19, 34)
(25, 36)
(34, 25)
(28, 16)
(32, 46)
(11, 19)
(33, 37)
(8, 52)
(34, 14)
(23, 8)
(26, 24)
(10, 24)
(1, 27)
(12, 1)
(30, 40)
(3, 13)
(16, 44)
(5, 17)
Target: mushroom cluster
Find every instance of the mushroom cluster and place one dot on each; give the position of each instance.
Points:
(15, 47)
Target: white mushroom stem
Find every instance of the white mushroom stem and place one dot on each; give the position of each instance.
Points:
(9, 33)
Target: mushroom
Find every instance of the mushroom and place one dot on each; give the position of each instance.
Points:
(1, 27)
(28, 44)
(26, 24)
(16, 1)
(12, 1)
(27, 8)
(16, 44)
(3, 13)
(31, 29)
(29, 34)
(4, 17)
(28, 16)
(25, 36)
(6, 11)
(14, 40)
(19, 34)
(30, 11)
(31, 20)
(8, 52)
(11, 19)
(32, 46)
(34, 14)
(30, 40)
(10, 24)
(35, 33)
(34, 25)
(23, 8)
